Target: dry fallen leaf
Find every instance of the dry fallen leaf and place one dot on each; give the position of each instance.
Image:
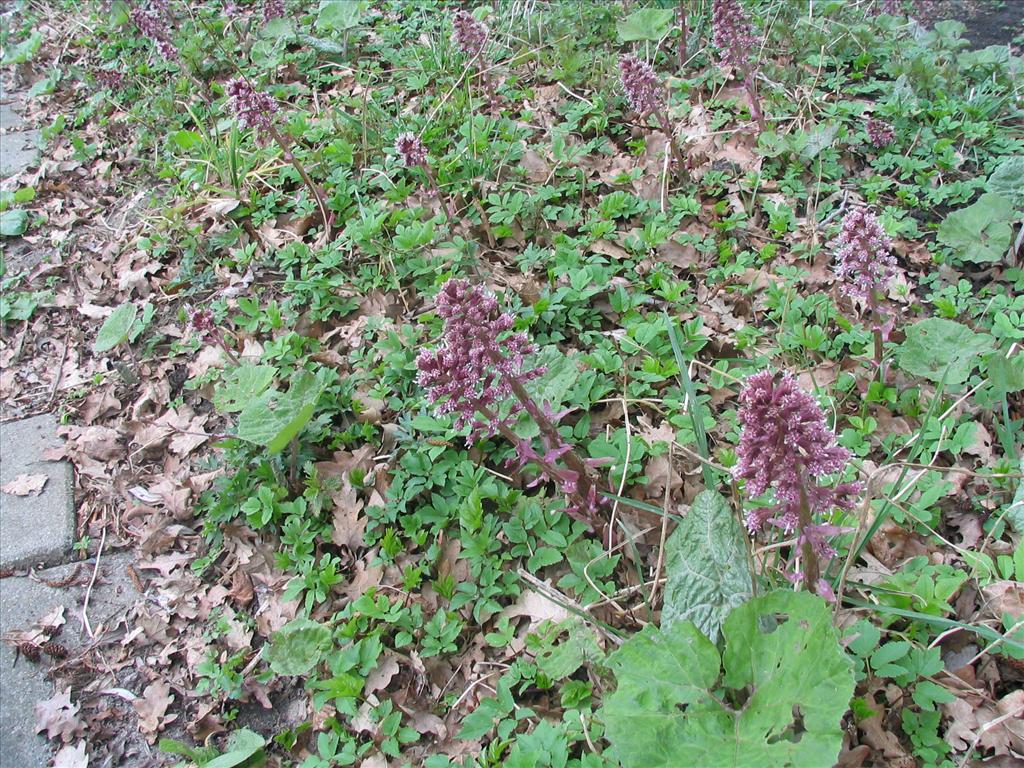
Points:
(72, 757)
(25, 485)
(152, 709)
(58, 716)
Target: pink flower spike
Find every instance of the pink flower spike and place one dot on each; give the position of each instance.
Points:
(154, 27)
(468, 34)
(273, 9)
(254, 109)
(732, 33)
(864, 253)
(411, 149)
(880, 133)
(643, 89)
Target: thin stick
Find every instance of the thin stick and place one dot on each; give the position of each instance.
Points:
(92, 581)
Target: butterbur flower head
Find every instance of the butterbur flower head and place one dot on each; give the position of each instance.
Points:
(478, 356)
(272, 9)
(785, 441)
(154, 27)
(733, 35)
(880, 133)
(411, 149)
(110, 78)
(641, 84)
(864, 254)
(254, 109)
(469, 34)
(202, 321)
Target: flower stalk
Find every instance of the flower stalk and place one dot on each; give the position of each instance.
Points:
(735, 40)
(646, 95)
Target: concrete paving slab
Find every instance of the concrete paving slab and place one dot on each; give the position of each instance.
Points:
(23, 601)
(34, 529)
(19, 144)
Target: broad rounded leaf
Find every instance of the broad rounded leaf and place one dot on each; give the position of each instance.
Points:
(274, 418)
(645, 24)
(242, 385)
(13, 222)
(782, 660)
(242, 746)
(298, 647)
(706, 566)
(980, 232)
(938, 349)
(1008, 179)
(115, 329)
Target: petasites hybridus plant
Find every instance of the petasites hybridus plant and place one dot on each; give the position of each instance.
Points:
(413, 152)
(154, 26)
(786, 447)
(646, 96)
(204, 325)
(272, 9)
(470, 36)
(480, 365)
(256, 109)
(735, 40)
(880, 133)
(866, 263)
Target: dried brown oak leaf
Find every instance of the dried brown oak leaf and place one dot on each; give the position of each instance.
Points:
(58, 716)
(25, 485)
(152, 709)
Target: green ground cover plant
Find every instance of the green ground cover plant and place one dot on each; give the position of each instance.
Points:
(540, 385)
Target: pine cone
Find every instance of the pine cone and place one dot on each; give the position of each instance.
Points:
(56, 650)
(29, 650)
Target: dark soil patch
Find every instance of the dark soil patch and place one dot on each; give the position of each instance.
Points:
(989, 22)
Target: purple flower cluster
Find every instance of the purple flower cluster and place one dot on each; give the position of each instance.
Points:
(272, 9)
(255, 109)
(479, 358)
(786, 446)
(110, 78)
(880, 133)
(643, 89)
(202, 321)
(153, 26)
(411, 149)
(469, 34)
(733, 35)
(864, 253)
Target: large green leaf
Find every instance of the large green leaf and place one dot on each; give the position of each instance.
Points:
(980, 232)
(1008, 179)
(645, 24)
(339, 16)
(274, 418)
(1015, 514)
(115, 328)
(706, 567)
(298, 647)
(938, 349)
(242, 386)
(13, 222)
(244, 747)
(784, 692)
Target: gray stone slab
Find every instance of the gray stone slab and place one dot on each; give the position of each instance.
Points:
(34, 529)
(23, 601)
(19, 144)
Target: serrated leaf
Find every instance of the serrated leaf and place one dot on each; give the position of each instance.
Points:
(298, 647)
(938, 349)
(781, 652)
(274, 418)
(242, 386)
(646, 24)
(561, 373)
(980, 232)
(115, 328)
(706, 567)
(13, 222)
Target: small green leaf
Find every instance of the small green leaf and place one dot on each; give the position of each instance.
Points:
(938, 349)
(186, 139)
(706, 567)
(980, 232)
(646, 24)
(13, 222)
(115, 328)
(298, 647)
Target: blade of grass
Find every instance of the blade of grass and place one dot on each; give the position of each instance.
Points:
(700, 434)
